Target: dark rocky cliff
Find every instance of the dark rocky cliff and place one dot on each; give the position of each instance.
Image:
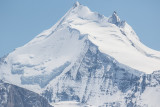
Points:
(14, 96)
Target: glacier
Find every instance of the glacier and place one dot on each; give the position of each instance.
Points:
(88, 58)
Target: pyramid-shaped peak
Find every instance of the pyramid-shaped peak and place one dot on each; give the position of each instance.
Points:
(115, 18)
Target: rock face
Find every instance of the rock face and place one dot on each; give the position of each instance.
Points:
(116, 20)
(14, 96)
(98, 79)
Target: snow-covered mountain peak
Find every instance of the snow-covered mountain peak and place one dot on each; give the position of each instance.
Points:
(83, 57)
(80, 11)
(56, 50)
(72, 30)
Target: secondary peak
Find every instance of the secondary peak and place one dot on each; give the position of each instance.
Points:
(115, 18)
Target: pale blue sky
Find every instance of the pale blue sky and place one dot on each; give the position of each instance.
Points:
(22, 20)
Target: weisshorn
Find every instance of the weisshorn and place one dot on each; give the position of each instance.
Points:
(89, 59)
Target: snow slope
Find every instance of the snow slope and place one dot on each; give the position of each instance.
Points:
(83, 51)
(116, 39)
(113, 37)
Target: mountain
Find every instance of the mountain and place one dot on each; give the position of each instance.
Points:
(14, 96)
(88, 58)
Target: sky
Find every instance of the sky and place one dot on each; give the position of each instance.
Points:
(22, 20)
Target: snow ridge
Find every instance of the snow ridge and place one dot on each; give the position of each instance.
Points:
(83, 57)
